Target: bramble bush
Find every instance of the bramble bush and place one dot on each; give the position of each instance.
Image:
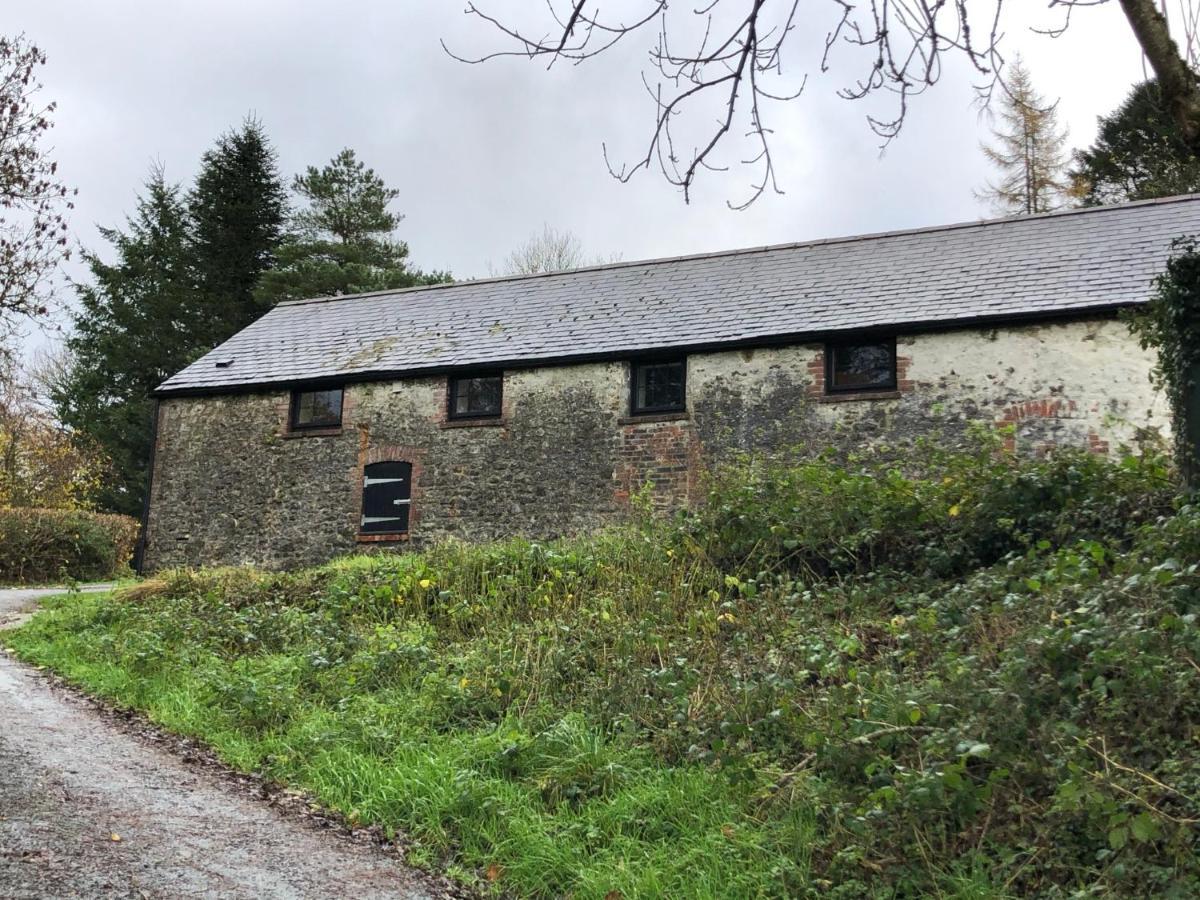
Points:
(945, 512)
(47, 545)
(979, 677)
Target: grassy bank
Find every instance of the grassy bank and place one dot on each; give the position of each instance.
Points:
(979, 681)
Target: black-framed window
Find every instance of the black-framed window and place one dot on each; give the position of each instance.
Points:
(476, 397)
(316, 409)
(386, 498)
(658, 386)
(860, 366)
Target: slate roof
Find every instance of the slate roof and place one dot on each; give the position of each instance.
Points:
(1058, 264)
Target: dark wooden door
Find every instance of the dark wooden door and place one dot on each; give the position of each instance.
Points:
(387, 496)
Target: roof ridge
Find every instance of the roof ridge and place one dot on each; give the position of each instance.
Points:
(765, 248)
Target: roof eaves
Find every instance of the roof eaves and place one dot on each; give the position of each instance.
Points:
(774, 340)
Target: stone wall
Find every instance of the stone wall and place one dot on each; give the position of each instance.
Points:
(232, 485)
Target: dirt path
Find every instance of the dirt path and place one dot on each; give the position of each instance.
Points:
(17, 604)
(70, 780)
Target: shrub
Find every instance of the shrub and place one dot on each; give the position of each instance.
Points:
(944, 515)
(1170, 324)
(40, 545)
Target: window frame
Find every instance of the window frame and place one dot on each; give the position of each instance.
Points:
(294, 423)
(831, 349)
(452, 383)
(635, 366)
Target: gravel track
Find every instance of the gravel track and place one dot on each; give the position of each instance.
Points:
(18, 604)
(96, 804)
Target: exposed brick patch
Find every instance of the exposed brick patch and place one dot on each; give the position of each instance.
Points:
(1044, 408)
(903, 383)
(816, 375)
(666, 454)
(1048, 408)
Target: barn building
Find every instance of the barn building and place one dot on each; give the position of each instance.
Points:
(540, 405)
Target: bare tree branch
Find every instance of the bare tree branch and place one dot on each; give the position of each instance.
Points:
(722, 73)
(550, 251)
(33, 201)
(1176, 78)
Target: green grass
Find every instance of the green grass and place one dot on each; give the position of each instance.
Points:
(647, 829)
(981, 681)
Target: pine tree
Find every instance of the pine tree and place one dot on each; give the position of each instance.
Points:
(1028, 150)
(134, 328)
(1139, 153)
(237, 211)
(184, 280)
(340, 239)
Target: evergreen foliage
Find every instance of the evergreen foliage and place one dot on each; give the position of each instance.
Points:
(237, 210)
(1028, 150)
(1138, 154)
(193, 268)
(182, 281)
(138, 323)
(340, 239)
(1170, 324)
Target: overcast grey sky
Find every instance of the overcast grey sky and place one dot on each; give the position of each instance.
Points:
(484, 155)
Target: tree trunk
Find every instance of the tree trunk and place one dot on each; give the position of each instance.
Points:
(1175, 79)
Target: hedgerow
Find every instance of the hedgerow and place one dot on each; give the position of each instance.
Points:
(43, 545)
(977, 677)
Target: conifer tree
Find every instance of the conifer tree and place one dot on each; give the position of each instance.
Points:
(184, 279)
(1028, 150)
(237, 210)
(1139, 153)
(340, 239)
(134, 328)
